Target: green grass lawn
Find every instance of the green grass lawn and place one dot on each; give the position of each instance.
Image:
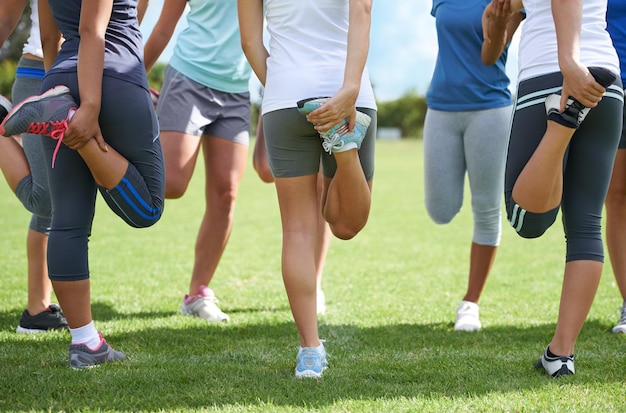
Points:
(391, 298)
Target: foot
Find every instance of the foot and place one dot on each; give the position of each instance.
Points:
(554, 365)
(204, 306)
(575, 112)
(467, 318)
(82, 357)
(47, 320)
(5, 107)
(621, 325)
(311, 362)
(338, 138)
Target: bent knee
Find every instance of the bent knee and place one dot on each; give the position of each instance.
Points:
(531, 224)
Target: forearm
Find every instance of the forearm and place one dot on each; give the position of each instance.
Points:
(567, 15)
(90, 70)
(10, 13)
(163, 30)
(251, 29)
(358, 43)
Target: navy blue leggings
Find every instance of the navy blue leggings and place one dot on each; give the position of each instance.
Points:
(587, 166)
(129, 125)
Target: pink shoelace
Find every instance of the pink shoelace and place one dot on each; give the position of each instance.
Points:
(57, 133)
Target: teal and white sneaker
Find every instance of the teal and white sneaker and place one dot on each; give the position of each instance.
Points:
(338, 138)
(311, 362)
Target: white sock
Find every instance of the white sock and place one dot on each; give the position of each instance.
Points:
(86, 334)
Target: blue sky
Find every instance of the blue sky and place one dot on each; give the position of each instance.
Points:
(402, 52)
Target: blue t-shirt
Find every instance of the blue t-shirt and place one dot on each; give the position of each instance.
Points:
(123, 54)
(461, 81)
(616, 26)
(209, 49)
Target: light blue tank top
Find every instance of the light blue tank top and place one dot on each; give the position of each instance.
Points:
(209, 49)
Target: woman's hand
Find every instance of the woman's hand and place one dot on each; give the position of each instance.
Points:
(82, 127)
(580, 84)
(339, 107)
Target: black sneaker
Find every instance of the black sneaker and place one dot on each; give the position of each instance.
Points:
(575, 112)
(82, 357)
(556, 366)
(5, 107)
(50, 319)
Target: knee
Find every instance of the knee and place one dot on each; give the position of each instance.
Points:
(529, 224)
(175, 186)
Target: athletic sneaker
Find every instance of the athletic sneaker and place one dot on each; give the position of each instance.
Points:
(621, 325)
(556, 366)
(82, 357)
(467, 318)
(203, 305)
(50, 319)
(338, 138)
(311, 362)
(46, 114)
(575, 112)
(5, 107)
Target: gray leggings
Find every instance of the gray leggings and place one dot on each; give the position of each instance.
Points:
(474, 142)
(32, 190)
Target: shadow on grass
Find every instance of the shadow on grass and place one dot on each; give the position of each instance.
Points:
(186, 364)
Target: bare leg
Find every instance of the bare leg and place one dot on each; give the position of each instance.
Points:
(108, 168)
(539, 187)
(75, 299)
(13, 162)
(259, 155)
(324, 236)
(579, 289)
(348, 199)
(225, 163)
(39, 285)
(299, 211)
(481, 261)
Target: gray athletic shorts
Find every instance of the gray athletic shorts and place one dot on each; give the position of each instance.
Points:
(194, 109)
(294, 147)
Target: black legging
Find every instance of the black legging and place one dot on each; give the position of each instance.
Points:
(129, 125)
(587, 166)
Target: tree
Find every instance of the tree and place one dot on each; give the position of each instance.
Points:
(407, 113)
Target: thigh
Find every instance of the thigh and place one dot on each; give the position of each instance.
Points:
(224, 164)
(444, 163)
(293, 145)
(485, 146)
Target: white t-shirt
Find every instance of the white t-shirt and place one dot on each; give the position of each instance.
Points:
(33, 44)
(538, 52)
(307, 45)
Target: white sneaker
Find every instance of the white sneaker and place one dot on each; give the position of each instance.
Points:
(321, 302)
(203, 305)
(467, 317)
(621, 325)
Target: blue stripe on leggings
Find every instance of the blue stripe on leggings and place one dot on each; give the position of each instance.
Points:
(133, 205)
(30, 72)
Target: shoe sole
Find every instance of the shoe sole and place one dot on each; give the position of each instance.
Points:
(55, 91)
(23, 330)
